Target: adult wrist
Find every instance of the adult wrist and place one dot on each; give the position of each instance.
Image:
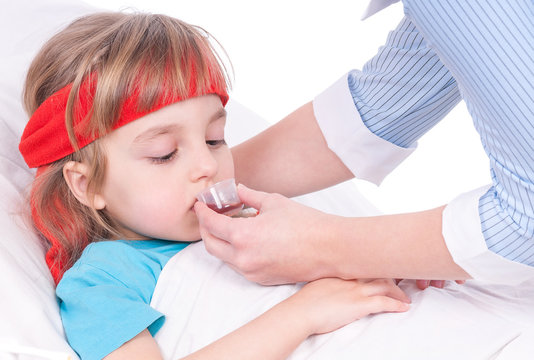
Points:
(330, 248)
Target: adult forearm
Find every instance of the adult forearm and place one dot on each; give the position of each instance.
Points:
(400, 246)
(291, 157)
(289, 242)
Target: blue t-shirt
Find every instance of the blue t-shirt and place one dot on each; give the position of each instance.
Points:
(105, 297)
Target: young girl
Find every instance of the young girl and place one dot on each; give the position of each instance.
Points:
(127, 126)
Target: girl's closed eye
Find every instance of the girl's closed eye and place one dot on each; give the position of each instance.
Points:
(165, 158)
(216, 143)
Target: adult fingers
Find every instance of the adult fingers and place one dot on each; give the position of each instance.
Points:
(219, 248)
(422, 284)
(251, 197)
(212, 223)
(437, 283)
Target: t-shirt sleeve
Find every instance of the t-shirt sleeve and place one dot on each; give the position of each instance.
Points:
(104, 300)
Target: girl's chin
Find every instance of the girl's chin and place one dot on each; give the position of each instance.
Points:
(192, 236)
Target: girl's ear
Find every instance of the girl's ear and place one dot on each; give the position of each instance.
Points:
(76, 175)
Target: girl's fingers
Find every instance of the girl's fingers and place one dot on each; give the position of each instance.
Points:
(387, 287)
(377, 304)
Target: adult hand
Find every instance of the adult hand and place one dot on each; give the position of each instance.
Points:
(283, 244)
(289, 242)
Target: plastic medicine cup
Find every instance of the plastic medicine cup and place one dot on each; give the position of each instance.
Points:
(222, 197)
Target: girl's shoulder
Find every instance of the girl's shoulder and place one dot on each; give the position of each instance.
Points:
(110, 287)
(120, 262)
(136, 251)
(111, 254)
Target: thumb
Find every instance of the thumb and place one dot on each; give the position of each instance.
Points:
(251, 197)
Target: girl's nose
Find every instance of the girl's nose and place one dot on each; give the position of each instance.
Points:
(204, 164)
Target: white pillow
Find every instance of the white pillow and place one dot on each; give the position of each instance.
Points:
(28, 308)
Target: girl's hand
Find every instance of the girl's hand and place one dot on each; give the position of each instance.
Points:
(331, 303)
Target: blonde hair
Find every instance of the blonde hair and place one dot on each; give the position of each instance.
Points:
(153, 56)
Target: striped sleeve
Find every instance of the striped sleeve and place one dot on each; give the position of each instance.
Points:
(404, 90)
(443, 52)
(372, 118)
(488, 46)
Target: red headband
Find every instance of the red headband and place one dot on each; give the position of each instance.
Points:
(45, 140)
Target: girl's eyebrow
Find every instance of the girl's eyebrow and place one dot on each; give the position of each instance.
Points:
(153, 132)
(219, 114)
(156, 131)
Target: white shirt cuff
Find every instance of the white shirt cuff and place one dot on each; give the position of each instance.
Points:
(464, 239)
(375, 6)
(367, 155)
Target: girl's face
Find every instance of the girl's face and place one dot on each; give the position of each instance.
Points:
(158, 163)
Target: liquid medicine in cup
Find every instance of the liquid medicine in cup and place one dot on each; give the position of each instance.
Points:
(222, 197)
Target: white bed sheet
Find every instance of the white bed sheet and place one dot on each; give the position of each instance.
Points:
(203, 299)
(28, 307)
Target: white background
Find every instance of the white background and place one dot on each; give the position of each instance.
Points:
(286, 52)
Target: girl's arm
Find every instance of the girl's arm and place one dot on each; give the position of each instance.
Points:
(319, 307)
(142, 346)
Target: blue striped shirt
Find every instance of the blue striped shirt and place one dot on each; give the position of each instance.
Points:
(479, 51)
